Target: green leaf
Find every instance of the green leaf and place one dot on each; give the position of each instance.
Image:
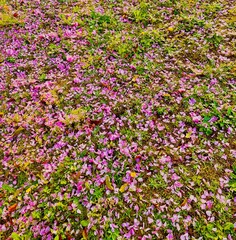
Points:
(232, 184)
(15, 236)
(234, 169)
(43, 77)
(210, 236)
(84, 223)
(63, 182)
(11, 59)
(36, 214)
(57, 237)
(229, 226)
(8, 188)
(206, 119)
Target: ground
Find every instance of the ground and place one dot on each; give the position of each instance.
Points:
(117, 119)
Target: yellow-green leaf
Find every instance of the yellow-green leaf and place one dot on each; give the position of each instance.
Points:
(84, 223)
(57, 237)
(123, 187)
(15, 236)
(108, 183)
(87, 185)
(18, 131)
(188, 135)
(85, 234)
(170, 29)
